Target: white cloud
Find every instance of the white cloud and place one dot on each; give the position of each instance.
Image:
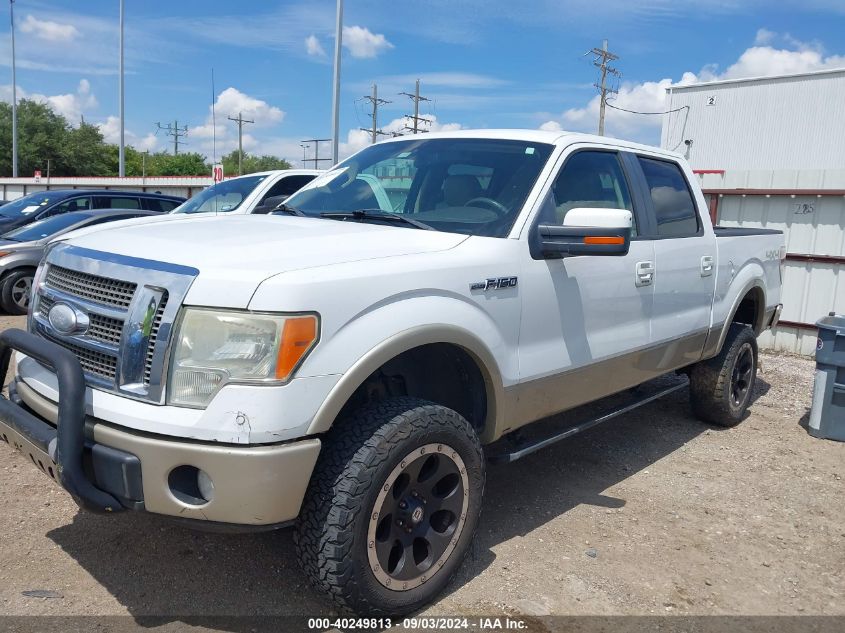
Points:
(363, 43)
(48, 30)
(110, 129)
(232, 102)
(764, 37)
(71, 106)
(650, 96)
(551, 126)
(313, 46)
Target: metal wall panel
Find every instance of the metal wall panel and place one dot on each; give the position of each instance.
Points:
(769, 123)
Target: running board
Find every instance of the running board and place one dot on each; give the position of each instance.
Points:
(514, 450)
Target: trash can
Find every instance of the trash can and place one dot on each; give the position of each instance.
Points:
(827, 416)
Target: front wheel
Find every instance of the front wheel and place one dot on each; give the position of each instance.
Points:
(721, 387)
(16, 291)
(392, 506)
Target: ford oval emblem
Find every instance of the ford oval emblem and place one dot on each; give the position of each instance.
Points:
(65, 319)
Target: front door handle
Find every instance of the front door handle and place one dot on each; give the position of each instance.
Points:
(644, 274)
(706, 265)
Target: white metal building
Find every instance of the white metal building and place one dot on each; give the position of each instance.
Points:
(185, 186)
(770, 152)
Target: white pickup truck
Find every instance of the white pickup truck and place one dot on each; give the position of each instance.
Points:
(347, 363)
(253, 193)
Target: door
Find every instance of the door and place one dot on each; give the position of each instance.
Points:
(684, 257)
(586, 319)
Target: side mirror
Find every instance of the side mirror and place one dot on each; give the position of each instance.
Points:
(585, 231)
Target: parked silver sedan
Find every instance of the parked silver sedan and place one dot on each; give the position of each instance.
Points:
(21, 250)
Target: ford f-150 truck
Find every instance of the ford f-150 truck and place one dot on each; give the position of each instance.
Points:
(347, 363)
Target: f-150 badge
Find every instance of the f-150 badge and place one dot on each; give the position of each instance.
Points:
(498, 283)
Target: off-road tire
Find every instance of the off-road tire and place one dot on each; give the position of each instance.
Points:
(356, 460)
(712, 382)
(15, 283)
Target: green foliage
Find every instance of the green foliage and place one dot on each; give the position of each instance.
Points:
(251, 164)
(81, 151)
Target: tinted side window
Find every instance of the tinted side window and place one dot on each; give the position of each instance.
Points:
(168, 205)
(674, 206)
(588, 179)
(69, 206)
(116, 202)
(288, 186)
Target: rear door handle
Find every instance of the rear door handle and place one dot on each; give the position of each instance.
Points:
(706, 265)
(645, 274)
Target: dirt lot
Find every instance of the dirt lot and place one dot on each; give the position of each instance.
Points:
(654, 513)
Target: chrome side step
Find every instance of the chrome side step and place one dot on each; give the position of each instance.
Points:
(514, 449)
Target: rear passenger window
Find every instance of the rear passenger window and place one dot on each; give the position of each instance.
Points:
(288, 186)
(116, 202)
(674, 206)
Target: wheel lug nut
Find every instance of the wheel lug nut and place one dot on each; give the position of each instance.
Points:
(403, 504)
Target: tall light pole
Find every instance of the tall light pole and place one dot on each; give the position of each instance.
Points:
(14, 95)
(336, 102)
(121, 156)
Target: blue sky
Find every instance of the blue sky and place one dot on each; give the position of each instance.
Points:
(483, 63)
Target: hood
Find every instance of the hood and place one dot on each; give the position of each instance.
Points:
(234, 254)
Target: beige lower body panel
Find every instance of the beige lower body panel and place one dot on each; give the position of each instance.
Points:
(253, 485)
(540, 398)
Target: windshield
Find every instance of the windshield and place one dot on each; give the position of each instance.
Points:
(46, 227)
(458, 185)
(220, 198)
(29, 204)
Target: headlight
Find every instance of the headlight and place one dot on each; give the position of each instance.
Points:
(215, 347)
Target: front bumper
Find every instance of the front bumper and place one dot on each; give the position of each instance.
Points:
(108, 469)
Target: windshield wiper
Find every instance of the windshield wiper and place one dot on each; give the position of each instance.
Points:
(286, 209)
(376, 214)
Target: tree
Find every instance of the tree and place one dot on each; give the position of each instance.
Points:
(251, 164)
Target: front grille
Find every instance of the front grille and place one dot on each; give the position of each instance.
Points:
(105, 329)
(44, 304)
(148, 362)
(94, 363)
(111, 292)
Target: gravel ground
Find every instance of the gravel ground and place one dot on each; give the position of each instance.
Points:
(653, 513)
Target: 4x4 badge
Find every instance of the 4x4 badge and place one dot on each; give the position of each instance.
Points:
(498, 283)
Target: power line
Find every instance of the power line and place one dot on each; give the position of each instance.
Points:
(316, 160)
(175, 131)
(376, 102)
(240, 120)
(602, 57)
(416, 118)
(610, 105)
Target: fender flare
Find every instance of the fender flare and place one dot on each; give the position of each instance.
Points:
(713, 344)
(403, 342)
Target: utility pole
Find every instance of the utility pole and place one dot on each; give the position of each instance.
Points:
(240, 120)
(338, 37)
(14, 95)
(603, 56)
(316, 160)
(374, 131)
(176, 132)
(416, 116)
(121, 151)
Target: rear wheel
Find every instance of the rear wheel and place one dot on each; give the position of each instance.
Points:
(721, 387)
(392, 506)
(16, 291)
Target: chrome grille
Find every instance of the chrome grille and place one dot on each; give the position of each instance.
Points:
(105, 329)
(123, 349)
(111, 292)
(44, 304)
(95, 363)
(148, 361)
